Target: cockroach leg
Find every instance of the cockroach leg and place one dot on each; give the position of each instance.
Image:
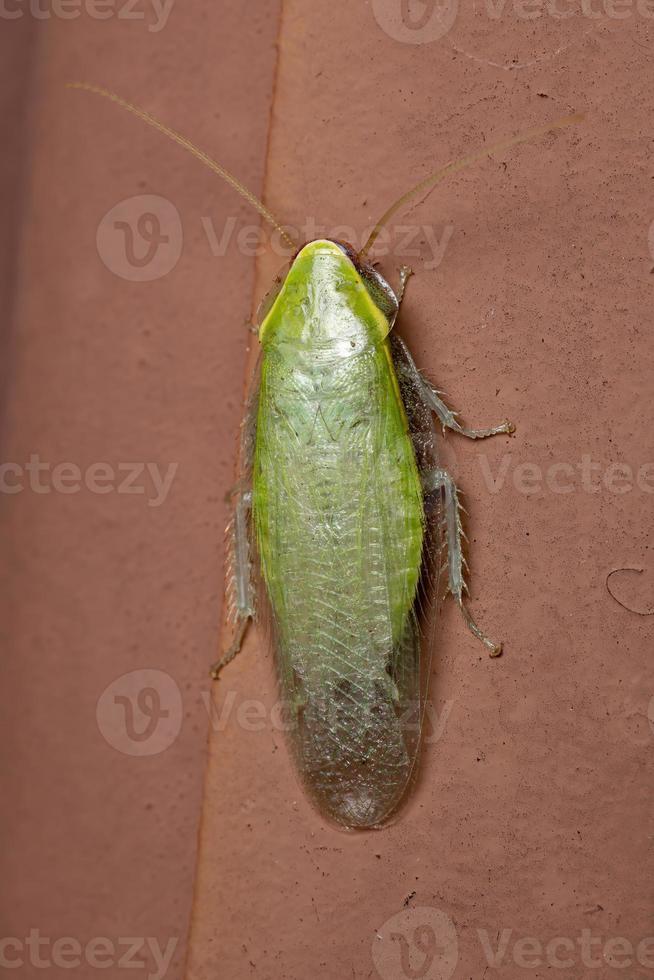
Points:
(241, 592)
(244, 603)
(233, 650)
(405, 274)
(441, 480)
(448, 417)
(431, 398)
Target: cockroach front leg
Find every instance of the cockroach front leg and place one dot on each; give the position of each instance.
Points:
(451, 525)
(448, 419)
(241, 597)
(405, 274)
(431, 398)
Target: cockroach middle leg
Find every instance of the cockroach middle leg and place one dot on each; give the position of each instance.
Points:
(431, 398)
(241, 601)
(441, 480)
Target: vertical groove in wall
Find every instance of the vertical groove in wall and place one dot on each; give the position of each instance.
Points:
(18, 63)
(251, 360)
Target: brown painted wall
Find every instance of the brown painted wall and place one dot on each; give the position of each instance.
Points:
(532, 817)
(531, 300)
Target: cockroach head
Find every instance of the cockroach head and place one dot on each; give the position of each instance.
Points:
(324, 293)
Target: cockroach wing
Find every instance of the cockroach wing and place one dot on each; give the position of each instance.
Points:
(345, 543)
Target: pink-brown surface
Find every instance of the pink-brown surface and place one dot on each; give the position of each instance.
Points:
(525, 847)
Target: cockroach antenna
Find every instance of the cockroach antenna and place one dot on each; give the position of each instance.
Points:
(198, 153)
(451, 168)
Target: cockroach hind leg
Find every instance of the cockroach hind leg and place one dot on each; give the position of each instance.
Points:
(229, 655)
(453, 532)
(494, 649)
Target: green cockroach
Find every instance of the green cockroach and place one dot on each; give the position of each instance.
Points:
(344, 515)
